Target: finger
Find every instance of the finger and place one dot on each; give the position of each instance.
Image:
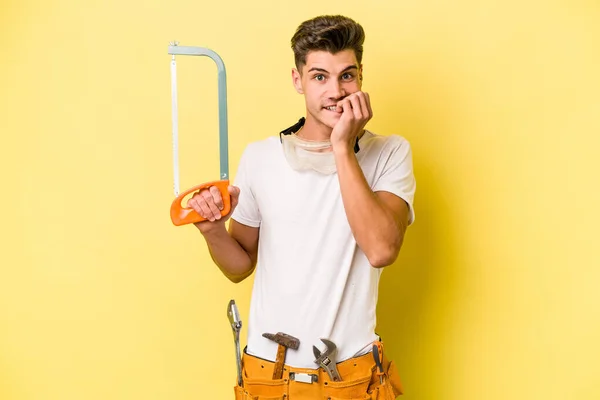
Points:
(364, 106)
(193, 203)
(356, 106)
(194, 197)
(205, 211)
(344, 105)
(216, 194)
(213, 210)
(368, 100)
(190, 200)
(234, 192)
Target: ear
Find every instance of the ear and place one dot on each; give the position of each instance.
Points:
(360, 73)
(297, 81)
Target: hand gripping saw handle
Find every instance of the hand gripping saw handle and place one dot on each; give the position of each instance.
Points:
(181, 215)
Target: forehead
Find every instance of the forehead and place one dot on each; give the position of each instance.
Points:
(329, 61)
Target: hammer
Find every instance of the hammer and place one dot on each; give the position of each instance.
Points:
(284, 341)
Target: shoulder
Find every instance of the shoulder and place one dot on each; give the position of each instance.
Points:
(258, 150)
(384, 144)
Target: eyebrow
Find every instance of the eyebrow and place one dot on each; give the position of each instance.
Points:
(348, 68)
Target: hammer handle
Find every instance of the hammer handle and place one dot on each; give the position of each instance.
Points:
(279, 362)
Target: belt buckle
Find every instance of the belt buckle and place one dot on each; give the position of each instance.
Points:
(304, 378)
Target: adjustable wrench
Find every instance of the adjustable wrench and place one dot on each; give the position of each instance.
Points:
(236, 326)
(326, 360)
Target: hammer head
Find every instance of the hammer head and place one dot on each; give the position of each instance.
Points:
(283, 339)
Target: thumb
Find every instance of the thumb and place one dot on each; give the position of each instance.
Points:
(234, 192)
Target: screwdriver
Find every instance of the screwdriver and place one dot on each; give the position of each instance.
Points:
(378, 356)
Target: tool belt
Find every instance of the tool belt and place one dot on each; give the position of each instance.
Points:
(359, 381)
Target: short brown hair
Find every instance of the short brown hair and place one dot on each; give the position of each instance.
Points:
(332, 33)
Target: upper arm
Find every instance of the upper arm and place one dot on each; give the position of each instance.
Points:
(247, 237)
(395, 185)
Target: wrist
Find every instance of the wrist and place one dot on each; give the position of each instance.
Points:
(342, 148)
(208, 229)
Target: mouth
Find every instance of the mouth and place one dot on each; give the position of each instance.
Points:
(331, 108)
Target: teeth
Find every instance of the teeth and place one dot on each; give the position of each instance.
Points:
(332, 108)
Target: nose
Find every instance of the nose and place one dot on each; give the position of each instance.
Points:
(336, 90)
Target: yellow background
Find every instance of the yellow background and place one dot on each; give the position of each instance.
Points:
(496, 294)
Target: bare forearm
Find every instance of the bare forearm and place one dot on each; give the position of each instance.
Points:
(374, 227)
(228, 254)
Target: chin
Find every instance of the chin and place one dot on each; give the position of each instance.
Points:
(330, 124)
(330, 121)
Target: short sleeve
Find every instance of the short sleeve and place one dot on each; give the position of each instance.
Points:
(246, 212)
(397, 175)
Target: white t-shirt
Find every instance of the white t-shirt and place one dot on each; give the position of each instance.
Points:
(312, 281)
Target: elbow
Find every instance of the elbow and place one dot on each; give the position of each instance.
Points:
(237, 278)
(385, 254)
(382, 258)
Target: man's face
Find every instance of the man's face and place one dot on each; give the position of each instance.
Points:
(324, 80)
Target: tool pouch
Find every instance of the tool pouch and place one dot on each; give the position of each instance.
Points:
(258, 385)
(360, 381)
(391, 387)
(350, 388)
(243, 394)
(261, 389)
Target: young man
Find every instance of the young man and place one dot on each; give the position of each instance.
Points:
(317, 211)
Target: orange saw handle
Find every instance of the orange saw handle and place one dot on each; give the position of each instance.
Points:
(181, 215)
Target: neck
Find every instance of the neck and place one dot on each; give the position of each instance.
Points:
(314, 130)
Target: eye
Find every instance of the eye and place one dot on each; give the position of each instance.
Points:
(319, 77)
(347, 76)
